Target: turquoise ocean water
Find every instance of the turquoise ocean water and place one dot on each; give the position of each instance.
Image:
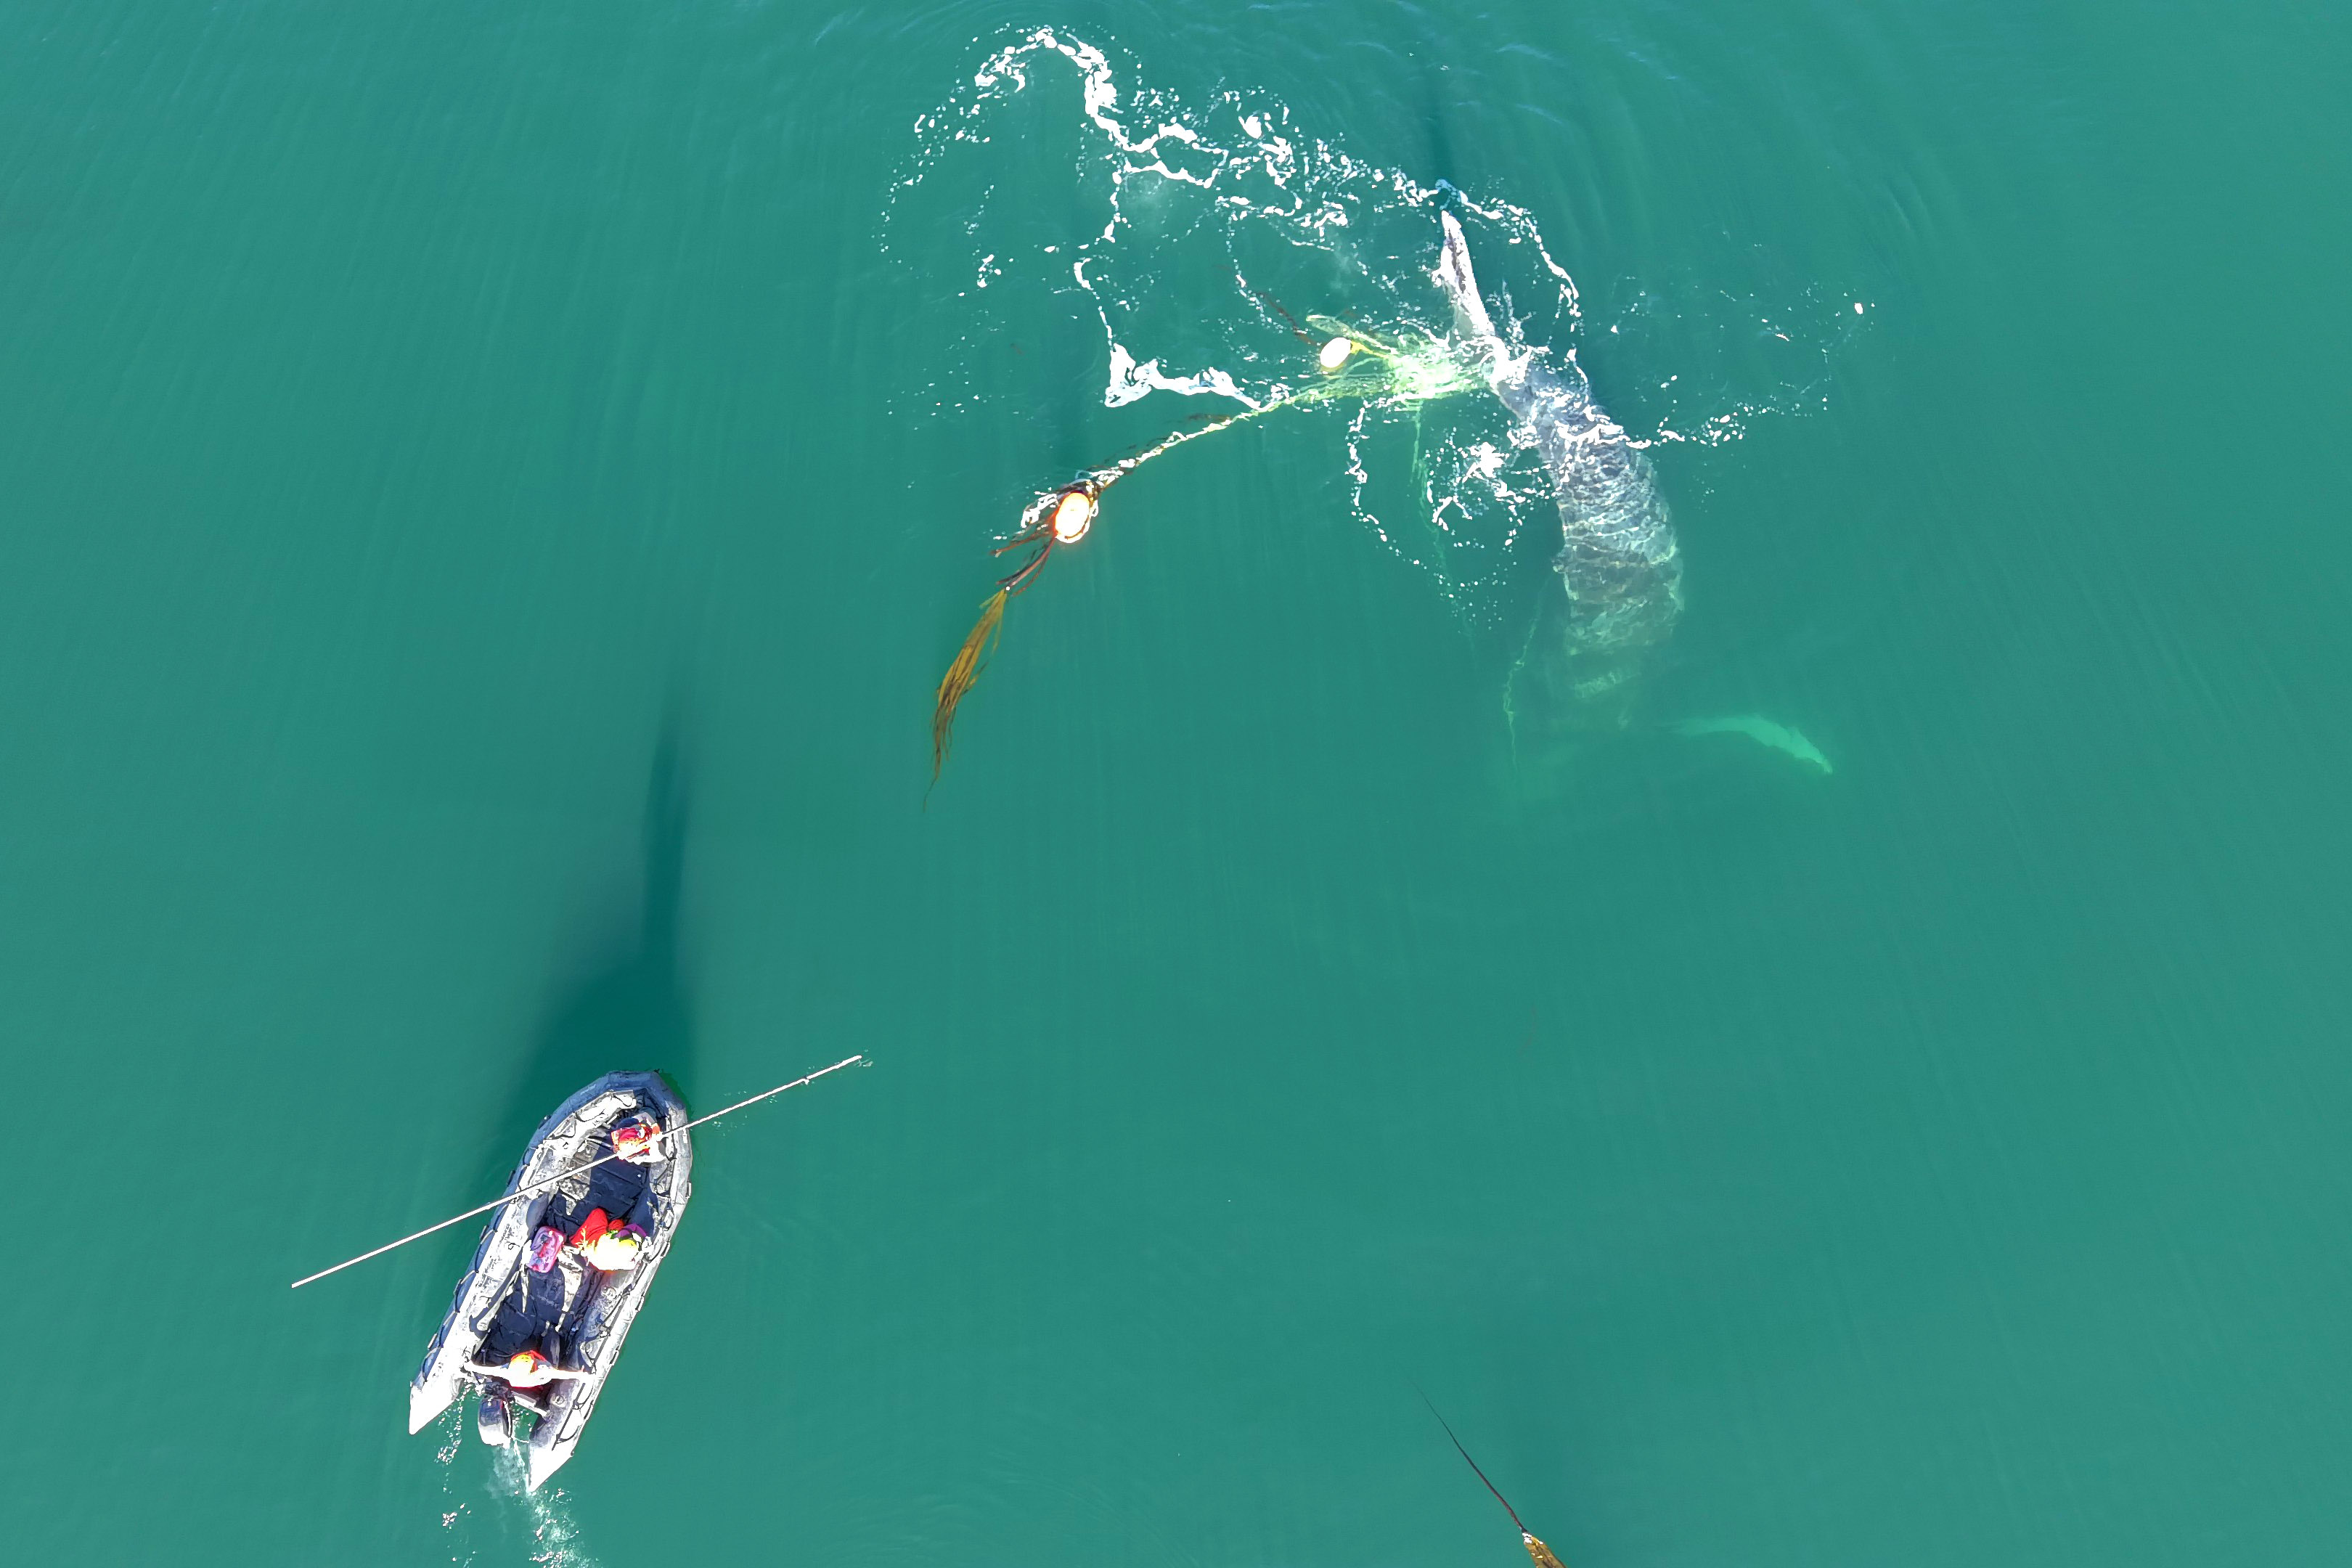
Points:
(487, 492)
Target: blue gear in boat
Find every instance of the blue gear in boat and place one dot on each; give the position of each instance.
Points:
(533, 1309)
(622, 1190)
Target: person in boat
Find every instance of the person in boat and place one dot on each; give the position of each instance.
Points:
(527, 1368)
(527, 1322)
(612, 1247)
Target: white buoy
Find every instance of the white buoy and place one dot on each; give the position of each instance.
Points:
(1073, 515)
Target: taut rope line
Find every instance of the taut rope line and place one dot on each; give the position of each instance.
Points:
(536, 1187)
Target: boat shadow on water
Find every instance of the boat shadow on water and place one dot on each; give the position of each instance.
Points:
(627, 1009)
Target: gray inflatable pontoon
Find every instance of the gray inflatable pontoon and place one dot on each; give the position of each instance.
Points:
(579, 1314)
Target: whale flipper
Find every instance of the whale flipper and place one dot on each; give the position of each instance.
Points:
(1461, 285)
(1764, 732)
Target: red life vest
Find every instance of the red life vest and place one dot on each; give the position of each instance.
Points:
(601, 1226)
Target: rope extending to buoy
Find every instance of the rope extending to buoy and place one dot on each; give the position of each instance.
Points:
(1063, 516)
(538, 1187)
(1535, 1549)
(1055, 518)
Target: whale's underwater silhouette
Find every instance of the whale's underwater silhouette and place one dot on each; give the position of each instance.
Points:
(1618, 562)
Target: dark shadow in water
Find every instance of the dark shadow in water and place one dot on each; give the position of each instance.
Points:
(628, 1011)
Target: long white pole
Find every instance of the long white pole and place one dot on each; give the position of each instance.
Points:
(536, 1187)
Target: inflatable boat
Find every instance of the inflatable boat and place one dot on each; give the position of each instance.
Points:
(539, 1317)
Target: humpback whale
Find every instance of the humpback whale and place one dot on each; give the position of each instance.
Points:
(1618, 564)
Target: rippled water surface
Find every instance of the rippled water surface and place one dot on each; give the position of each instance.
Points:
(486, 494)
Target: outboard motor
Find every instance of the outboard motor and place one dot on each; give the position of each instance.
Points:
(494, 1419)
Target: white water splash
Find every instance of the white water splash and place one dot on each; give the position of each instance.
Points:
(1201, 234)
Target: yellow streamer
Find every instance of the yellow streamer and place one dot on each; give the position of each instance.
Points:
(1387, 369)
(963, 674)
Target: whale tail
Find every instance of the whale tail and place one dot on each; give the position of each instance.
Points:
(1461, 285)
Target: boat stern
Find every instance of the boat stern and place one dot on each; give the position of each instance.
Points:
(544, 1460)
(427, 1397)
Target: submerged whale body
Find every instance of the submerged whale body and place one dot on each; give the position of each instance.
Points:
(1618, 562)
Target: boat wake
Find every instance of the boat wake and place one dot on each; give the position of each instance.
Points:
(549, 1533)
(547, 1512)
